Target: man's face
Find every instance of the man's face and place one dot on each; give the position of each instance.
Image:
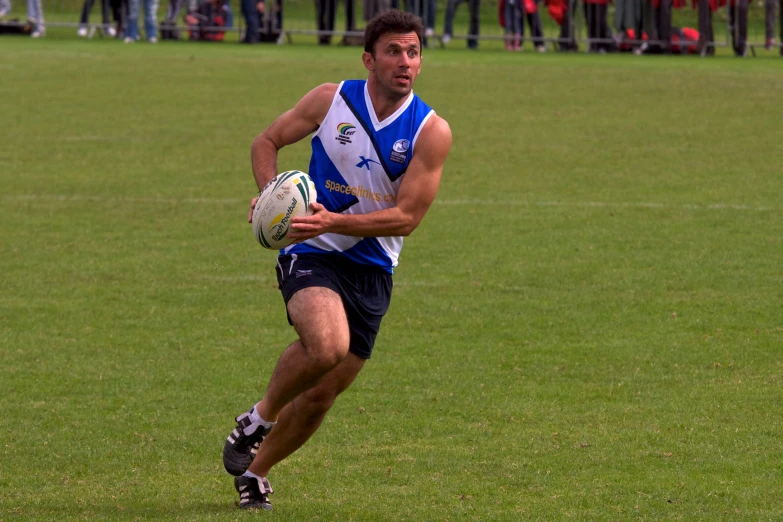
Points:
(397, 62)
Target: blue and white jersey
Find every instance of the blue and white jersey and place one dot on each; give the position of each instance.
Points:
(357, 165)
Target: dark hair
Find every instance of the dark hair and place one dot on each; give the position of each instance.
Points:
(394, 21)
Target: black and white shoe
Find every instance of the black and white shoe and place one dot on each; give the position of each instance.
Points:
(253, 493)
(242, 444)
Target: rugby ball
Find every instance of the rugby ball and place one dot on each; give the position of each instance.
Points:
(286, 196)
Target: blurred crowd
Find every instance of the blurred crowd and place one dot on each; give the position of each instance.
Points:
(638, 26)
(35, 26)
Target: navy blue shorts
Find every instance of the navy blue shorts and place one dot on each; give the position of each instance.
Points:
(365, 291)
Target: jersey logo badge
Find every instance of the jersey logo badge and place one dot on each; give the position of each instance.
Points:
(399, 153)
(345, 131)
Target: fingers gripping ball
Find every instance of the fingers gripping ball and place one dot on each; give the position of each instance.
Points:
(288, 195)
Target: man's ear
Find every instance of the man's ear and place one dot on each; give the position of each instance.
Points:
(368, 61)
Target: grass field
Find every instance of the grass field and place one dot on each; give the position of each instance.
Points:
(587, 325)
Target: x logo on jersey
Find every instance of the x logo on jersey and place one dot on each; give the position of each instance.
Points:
(365, 162)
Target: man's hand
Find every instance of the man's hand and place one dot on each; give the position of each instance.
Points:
(250, 212)
(308, 227)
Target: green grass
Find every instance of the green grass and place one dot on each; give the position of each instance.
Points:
(586, 326)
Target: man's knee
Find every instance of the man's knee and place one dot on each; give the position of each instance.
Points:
(327, 350)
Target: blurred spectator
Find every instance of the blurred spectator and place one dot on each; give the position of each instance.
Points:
(628, 18)
(432, 10)
(150, 17)
(473, 25)
(119, 10)
(769, 15)
(657, 24)
(649, 23)
(168, 27)
(561, 12)
(350, 16)
(530, 9)
(424, 9)
(664, 8)
(683, 41)
(263, 23)
(510, 18)
(175, 6)
(85, 18)
(372, 8)
(624, 39)
(271, 20)
(738, 21)
(206, 21)
(325, 11)
(250, 12)
(324, 17)
(35, 16)
(597, 27)
(706, 35)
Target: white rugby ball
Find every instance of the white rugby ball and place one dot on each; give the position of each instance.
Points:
(286, 196)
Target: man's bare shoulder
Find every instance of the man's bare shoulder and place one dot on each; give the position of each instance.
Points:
(315, 104)
(323, 94)
(437, 128)
(435, 139)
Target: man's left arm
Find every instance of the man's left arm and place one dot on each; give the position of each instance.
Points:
(417, 192)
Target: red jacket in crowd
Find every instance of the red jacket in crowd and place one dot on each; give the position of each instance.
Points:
(557, 9)
(686, 34)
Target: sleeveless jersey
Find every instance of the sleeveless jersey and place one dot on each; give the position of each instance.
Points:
(357, 165)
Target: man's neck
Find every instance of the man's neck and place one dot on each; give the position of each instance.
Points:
(383, 103)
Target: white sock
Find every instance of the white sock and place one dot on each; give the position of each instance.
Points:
(263, 483)
(249, 473)
(255, 418)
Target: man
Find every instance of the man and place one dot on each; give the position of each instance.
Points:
(562, 12)
(378, 155)
(325, 12)
(119, 9)
(769, 10)
(738, 21)
(474, 21)
(252, 21)
(84, 19)
(150, 20)
(598, 33)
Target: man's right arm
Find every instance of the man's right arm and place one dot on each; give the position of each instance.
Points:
(292, 126)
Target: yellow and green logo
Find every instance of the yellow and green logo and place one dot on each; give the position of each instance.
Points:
(346, 129)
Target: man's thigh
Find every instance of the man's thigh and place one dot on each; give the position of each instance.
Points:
(318, 315)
